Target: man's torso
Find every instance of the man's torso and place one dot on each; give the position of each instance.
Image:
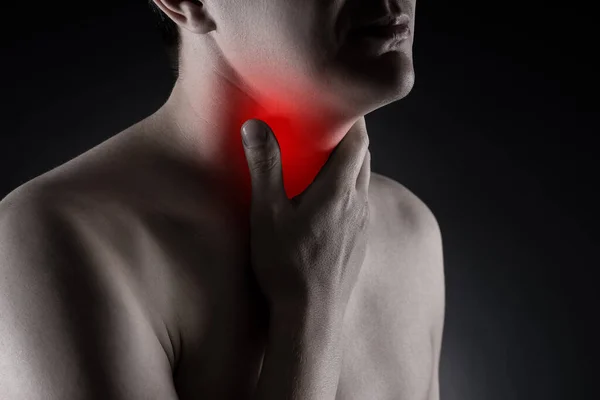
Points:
(178, 255)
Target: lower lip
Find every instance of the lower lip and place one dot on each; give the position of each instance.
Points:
(394, 34)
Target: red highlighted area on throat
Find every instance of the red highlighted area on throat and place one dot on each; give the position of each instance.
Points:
(305, 144)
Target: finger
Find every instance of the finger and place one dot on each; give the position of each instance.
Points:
(264, 162)
(343, 166)
(362, 180)
(364, 175)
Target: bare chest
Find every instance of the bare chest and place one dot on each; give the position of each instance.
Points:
(223, 318)
(193, 277)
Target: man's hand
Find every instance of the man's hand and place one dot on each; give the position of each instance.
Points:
(308, 250)
(306, 254)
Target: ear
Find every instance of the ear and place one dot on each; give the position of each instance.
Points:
(187, 14)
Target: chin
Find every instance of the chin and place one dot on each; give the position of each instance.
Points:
(386, 91)
(391, 72)
(373, 82)
(404, 86)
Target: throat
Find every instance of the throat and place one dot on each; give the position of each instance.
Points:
(209, 138)
(304, 150)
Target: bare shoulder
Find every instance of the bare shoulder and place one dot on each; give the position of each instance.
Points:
(394, 332)
(406, 249)
(397, 201)
(405, 229)
(72, 318)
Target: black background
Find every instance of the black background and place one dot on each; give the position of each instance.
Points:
(495, 138)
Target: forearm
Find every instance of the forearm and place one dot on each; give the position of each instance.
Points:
(303, 355)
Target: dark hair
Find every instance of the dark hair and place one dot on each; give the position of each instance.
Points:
(170, 36)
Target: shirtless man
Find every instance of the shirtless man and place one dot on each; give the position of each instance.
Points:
(130, 272)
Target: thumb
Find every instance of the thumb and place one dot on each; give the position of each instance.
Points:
(264, 162)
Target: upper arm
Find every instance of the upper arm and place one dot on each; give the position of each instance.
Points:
(428, 241)
(420, 231)
(433, 256)
(421, 274)
(433, 265)
(66, 332)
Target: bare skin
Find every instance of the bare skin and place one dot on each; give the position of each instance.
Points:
(160, 296)
(125, 272)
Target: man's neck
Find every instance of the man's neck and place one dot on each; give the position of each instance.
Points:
(204, 117)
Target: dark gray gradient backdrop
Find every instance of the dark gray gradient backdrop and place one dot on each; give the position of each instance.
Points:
(494, 137)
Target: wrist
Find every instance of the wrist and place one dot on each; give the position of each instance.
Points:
(303, 354)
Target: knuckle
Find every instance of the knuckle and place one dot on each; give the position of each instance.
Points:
(265, 164)
(362, 142)
(365, 141)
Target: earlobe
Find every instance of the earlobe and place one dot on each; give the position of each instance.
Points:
(187, 14)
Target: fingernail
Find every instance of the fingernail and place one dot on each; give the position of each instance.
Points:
(253, 134)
